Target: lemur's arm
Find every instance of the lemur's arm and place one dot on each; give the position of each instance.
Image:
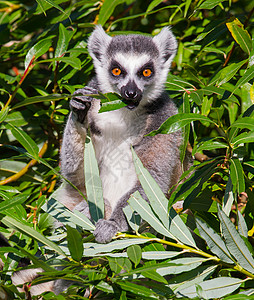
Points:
(72, 152)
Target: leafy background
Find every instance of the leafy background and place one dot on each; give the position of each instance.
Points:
(43, 61)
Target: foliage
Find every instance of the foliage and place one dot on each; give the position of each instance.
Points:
(43, 61)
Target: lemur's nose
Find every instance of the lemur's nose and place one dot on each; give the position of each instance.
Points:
(130, 94)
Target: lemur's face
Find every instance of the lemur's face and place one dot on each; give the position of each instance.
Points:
(134, 66)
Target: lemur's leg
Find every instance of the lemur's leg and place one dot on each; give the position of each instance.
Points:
(72, 152)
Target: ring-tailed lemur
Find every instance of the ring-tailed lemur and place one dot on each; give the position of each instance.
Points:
(136, 67)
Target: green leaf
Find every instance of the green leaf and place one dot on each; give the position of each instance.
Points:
(153, 4)
(240, 35)
(61, 213)
(229, 197)
(93, 182)
(51, 3)
(75, 244)
(214, 241)
(29, 231)
(4, 114)
(211, 145)
(37, 99)
(243, 123)
(214, 288)
(136, 289)
(38, 50)
(210, 4)
(234, 243)
(178, 121)
(158, 255)
(246, 137)
(134, 253)
(133, 218)
(143, 208)
(187, 279)
(237, 175)
(152, 274)
(119, 264)
(91, 249)
(72, 61)
(24, 139)
(180, 265)
(242, 226)
(247, 76)
(186, 8)
(19, 199)
(107, 9)
(64, 38)
(110, 101)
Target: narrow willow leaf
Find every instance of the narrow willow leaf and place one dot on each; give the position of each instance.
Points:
(29, 231)
(159, 255)
(90, 249)
(159, 203)
(246, 137)
(62, 214)
(37, 99)
(214, 288)
(93, 182)
(51, 3)
(133, 218)
(235, 244)
(107, 9)
(186, 129)
(180, 265)
(75, 244)
(190, 278)
(210, 4)
(136, 289)
(243, 123)
(240, 35)
(152, 274)
(237, 175)
(229, 197)
(143, 208)
(242, 226)
(4, 114)
(153, 4)
(19, 199)
(214, 241)
(247, 76)
(38, 49)
(65, 36)
(211, 145)
(134, 253)
(177, 122)
(24, 139)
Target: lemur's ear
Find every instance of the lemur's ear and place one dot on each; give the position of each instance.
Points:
(167, 45)
(98, 42)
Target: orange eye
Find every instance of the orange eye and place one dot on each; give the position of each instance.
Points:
(116, 71)
(147, 72)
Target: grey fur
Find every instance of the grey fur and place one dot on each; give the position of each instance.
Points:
(113, 133)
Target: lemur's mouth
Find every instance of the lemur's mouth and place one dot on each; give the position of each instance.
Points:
(131, 104)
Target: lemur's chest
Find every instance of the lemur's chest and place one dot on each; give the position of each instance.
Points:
(113, 152)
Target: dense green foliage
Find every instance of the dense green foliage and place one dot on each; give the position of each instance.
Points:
(43, 60)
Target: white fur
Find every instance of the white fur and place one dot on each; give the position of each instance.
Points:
(113, 151)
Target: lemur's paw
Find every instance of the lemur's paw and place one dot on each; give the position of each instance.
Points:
(80, 103)
(105, 230)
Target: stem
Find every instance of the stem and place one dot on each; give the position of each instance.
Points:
(27, 70)
(188, 249)
(25, 169)
(177, 245)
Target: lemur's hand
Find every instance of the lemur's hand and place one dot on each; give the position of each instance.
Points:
(80, 103)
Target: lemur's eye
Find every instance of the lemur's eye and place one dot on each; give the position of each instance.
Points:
(147, 72)
(116, 71)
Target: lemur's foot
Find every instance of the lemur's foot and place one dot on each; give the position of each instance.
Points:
(105, 230)
(80, 103)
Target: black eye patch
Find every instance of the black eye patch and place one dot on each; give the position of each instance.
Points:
(116, 66)
(146, 71)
